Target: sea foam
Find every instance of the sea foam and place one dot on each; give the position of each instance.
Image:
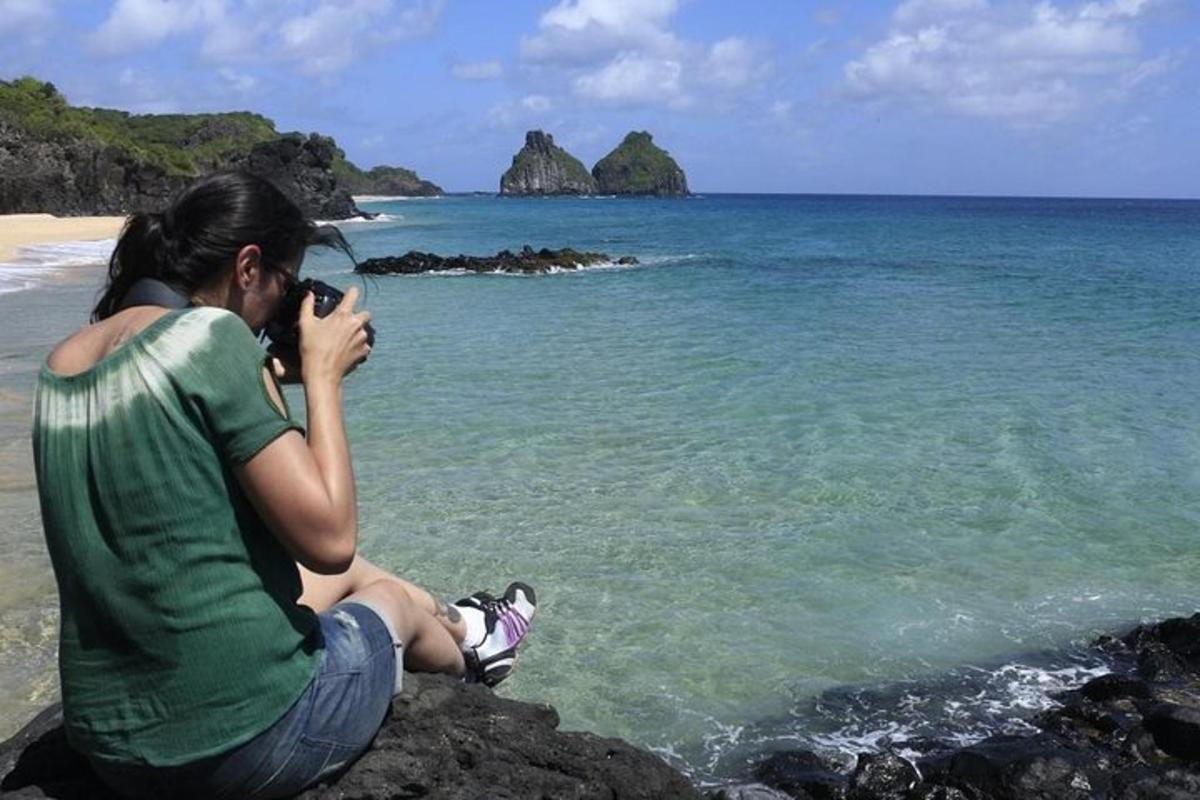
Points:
(39, 263)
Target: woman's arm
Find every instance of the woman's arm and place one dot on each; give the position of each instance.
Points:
(304, 490)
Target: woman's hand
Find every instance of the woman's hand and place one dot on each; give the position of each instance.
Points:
(332, 346)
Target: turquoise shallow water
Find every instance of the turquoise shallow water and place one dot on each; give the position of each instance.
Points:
(811, 441)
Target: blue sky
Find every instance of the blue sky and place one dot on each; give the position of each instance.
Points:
(1030, 97)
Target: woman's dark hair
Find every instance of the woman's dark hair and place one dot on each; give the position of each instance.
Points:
(199, 235)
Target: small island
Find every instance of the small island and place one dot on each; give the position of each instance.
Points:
(639, 167)
(636, 167)
(543, 168)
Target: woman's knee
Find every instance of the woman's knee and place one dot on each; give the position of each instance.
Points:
(393, 599)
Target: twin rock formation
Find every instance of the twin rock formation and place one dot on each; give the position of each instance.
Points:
(636, 167)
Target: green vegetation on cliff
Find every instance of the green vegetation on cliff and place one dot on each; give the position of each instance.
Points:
(179, 144)
(638, 166)
(382, 180)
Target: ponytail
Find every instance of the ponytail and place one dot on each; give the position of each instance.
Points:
(143, 251)
(197, 238)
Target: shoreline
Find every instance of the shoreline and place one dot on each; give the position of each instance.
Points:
(21, 231)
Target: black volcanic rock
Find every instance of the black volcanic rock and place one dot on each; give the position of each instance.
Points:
(303, 168)
(543, 168)
(1133, 734)
(800, 773)
(444, 740)
(639, 167)
(528, 261)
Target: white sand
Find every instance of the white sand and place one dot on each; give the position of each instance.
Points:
(19, 230)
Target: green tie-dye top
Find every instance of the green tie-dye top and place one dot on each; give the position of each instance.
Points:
(180, 635)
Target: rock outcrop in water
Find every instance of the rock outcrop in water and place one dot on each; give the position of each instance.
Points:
(1133, 734)
(443, 739)
(639, 167)
(528, 262)
(543, 168)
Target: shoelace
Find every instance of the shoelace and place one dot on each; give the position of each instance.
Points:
(511, 620)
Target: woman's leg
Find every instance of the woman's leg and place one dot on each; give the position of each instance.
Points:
(321, 592)
(428, 645)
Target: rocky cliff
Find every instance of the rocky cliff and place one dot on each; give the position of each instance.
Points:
(542, 167)
(67, 160)
(639, 167)
(303, 168)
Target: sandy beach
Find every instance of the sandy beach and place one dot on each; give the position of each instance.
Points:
(20, 230)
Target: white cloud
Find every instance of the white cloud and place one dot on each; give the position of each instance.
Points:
(237, 81)
(316, 37)
(134, 24)
(477, 70)
(1112, 9)
(1027, 64)
(733, 63)
(578, 31)
(537, 103)
(328, 38)
(24, 15)
(624, 53)
(631, 78)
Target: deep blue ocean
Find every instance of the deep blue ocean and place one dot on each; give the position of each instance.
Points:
(821, 471)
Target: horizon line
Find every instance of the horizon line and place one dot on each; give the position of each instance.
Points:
(950, 195)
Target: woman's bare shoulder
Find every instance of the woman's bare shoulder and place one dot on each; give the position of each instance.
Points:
(87, 346)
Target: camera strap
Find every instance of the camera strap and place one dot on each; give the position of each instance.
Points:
(153, 292)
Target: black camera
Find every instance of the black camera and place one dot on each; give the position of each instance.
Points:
(283, 328)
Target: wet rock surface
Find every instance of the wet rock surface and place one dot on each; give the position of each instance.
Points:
(1133, 734)
(527, 261)
(443, 740)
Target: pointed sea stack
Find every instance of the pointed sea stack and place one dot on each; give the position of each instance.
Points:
(639, 167)
(541, 167)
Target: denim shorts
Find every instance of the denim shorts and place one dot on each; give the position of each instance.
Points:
(331, 724)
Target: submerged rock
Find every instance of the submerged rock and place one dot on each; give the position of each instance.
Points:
(638, 166)
(543, 168)
(443, 739)
(528, 261)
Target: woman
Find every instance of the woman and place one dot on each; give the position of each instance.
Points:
(220, 637)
